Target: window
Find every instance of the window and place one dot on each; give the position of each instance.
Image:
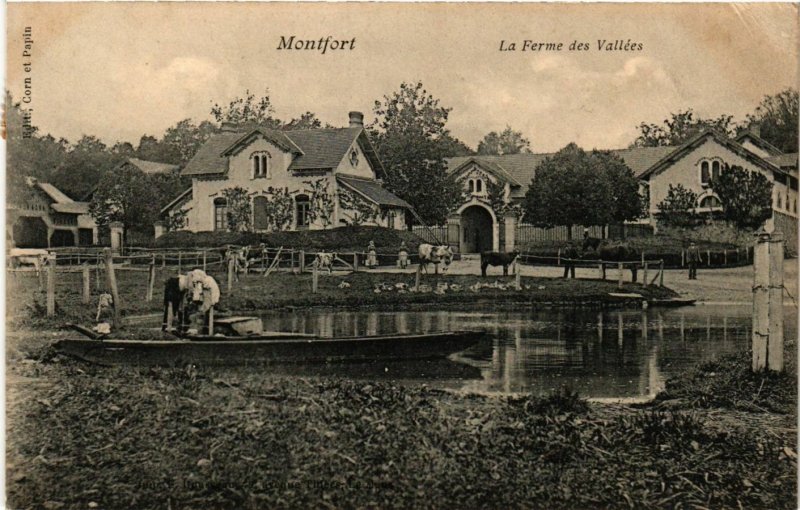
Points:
(704, 173)
(220, 214)
(260, 161)
(260, 218)
(778, 206)
(390, 218)
(354, 157)
(479, 186)
(715, 166)
(794, 206)
(710, 202)
(302, 206)
(471, 186)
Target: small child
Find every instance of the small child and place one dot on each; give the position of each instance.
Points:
(402, 256)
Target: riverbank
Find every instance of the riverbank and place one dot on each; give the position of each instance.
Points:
(364, 289)
(85, 436)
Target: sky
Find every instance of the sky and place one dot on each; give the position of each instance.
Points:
(121, 70)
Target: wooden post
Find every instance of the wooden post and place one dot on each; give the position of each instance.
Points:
(708, 254)
(661, 274)
(211, 321)
(170, 316)
(601, 274)
(151, 279)
(517, 276)
(180, 262)
(163, 260)
(642, 257)
(619, 268)
(355, 262)
(231, 268)
(725, 257)
(418, 277)
(302, 261)
(683, 258)
(768, 303)
(111, 279)
(644, 274)
(87, 295)
(291, 260)
(51, 285)
(314, 279)
(204, 262)
(558, 257)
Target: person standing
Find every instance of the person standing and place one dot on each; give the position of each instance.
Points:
(372, 255)
(693, 258)
(568, 256)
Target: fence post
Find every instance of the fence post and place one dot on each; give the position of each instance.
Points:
(601, 274)
(355, 262)
(620, 268)
(204, 261)
(111, 278)
(418, 277)
(314, 279)
(683, 258)
(86, 284)
(708, 254)
(558, 261)
(303, 262)
(163, 260)
(151, 279)
(661, 274)
(725, 257)
(180, 262)
(211, 321)
(51, 285)
(517, 276)
(644, 274)
(768, 302)
(231, 264)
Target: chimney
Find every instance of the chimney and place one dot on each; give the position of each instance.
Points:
(228, 127)
(356, 119)
(755, 129)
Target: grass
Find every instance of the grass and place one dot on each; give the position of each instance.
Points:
(26, 304)
(84, 436)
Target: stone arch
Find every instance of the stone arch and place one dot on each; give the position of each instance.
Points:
(479, 228)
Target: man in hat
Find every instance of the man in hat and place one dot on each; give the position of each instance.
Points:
(693, 258)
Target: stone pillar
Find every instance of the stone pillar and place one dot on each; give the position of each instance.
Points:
(454, 232)
(116, 228)
(510, 221)
(158, 229)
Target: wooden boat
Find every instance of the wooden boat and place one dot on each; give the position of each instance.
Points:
(269, 347)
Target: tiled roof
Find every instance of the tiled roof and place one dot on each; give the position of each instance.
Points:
(152, 167)
(183, 197)
(784, 160)
(320, 149)
(54, 193)
(523, 166)
(208, 159)
(71, 207)
(759, 142)
(373, 191)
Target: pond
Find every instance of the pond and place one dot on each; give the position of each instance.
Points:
(601, 354)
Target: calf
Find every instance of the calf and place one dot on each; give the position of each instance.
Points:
(430, 254)
(494, 258)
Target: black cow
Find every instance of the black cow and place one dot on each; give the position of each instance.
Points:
(173, 295)
(591, 243)
(496, 258)
(620, 253)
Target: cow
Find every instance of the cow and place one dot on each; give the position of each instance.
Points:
(615, 253)
(28, 256)
(324, 260)
(433, 254)
(496, 258)
(591, 243)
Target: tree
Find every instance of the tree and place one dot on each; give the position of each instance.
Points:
(239, 209)
(279, 209)
(679, 128)
(678, 207)
(182, 141)
(125, 195)
(248, 111)
(507, 142)
(574, 187)
(410, 136)
(358, 210)
(323, 203)
(746, 196)
(777, 117)
(84, 165)
(307, 120)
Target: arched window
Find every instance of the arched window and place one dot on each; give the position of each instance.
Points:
(220, 214)
(778, 205)
(705, 175)
(710, 202)
(260, 218)
(260, 162)
(471, 186)
(479, 186)
(715, 168)
(302, 207)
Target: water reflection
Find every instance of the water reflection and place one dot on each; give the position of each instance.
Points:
(610, 354)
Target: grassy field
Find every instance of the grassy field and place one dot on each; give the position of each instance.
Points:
(82, 436)
(26, 304)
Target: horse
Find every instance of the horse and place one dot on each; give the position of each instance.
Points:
(494, 258)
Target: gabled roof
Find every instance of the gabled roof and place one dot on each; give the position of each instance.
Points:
(372, 191)
(314, 149)
(277, 138)
(759, 142)
(61, 202)
(699, 139)
(492, 167)
(54, 193)
(151, 167)
(71, 207)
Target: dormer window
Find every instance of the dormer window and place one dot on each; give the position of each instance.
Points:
(479, 186)
(354, 157)
(260, 165)
(475, 186)
(471, 186)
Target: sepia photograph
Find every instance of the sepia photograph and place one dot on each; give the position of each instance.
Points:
(401, 255)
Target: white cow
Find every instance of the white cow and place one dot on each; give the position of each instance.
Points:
(28, 256)
(325, 260)
(431, 254)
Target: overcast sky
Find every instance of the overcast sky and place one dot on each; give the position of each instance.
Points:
(119, 71)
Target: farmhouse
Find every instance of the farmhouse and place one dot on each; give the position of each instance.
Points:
(44, 217)
(292, 180)
(475, 226)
